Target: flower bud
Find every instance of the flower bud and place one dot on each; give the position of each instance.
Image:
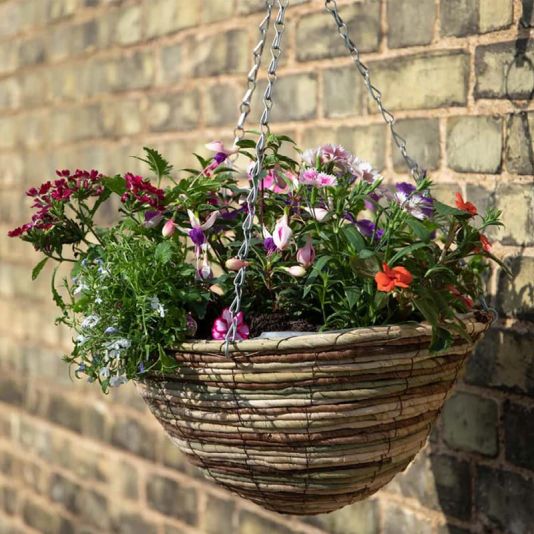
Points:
(296, 270)
(168, 228)
(235, 264)
(217, 290)
(306, 254)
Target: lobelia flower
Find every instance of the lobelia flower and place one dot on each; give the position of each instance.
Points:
(390, 278)
(222, 324)
(418, 205)
(104, 373)
(117, 380)
(306, 254)
(156, 305)
(90, 321)
(168, 228)
(298, 271)
(367, 228)
(282, 233)
(236, 264)
(465, 206)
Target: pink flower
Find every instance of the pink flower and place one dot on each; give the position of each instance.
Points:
(168, 228)
(306, 254)
(197, 229)
(282, 233)
(308, 177)
(326, 180)
(223, 323)
(319, 214)
(221, 155)
(317, 179)
(334, 154)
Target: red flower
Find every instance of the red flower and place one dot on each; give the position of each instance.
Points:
(142, 191)
(468, 301)
(484, 241)
(465, 206)
(390, 278)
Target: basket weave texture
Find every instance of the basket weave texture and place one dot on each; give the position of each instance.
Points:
(308, 424)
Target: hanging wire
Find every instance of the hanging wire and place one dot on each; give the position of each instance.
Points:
(257, 170)
(415, 170)
(252, 78)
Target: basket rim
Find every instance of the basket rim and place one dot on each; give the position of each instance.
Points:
(475, 322)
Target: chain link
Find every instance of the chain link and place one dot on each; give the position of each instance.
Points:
(239, 280)
(415, 169)
(257, 55)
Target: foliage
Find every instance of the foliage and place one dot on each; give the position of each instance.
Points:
(331, 244)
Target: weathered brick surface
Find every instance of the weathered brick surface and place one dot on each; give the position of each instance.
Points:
(87, 83)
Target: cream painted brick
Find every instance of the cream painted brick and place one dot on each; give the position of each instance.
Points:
(129, 25)
(495, 14)
(215, 10)
(366, 142)
(8, 132)
(422, 81)
(168, 16)
(123, 117)
(10, 93)
(474, 144)
(178, 111)
(517, 205)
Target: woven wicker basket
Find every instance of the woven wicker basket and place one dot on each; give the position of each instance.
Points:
(308, 424)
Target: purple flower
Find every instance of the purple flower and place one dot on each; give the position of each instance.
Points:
(269, 246)
(220, 157)
(367, 228)
(418, 205)
(152, 219)
(197, 236)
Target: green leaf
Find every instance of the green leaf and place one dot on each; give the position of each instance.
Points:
(405, 251)
(365, 267)
(60, 303)
(246, 143)
(318, 266)
(354, 238)
(38, 268)
(447, 211)
(352, 294)
(115, 184)
(157, 163)
(419, 229)
(365, 254)
(163, 252)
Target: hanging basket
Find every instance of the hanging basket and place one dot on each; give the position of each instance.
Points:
(308, 424)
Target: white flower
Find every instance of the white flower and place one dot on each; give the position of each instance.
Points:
(98, 300)
(119, 344)
(80, 288)
(117, 380)
(156, 305)
(90, 321)
(103, 373)
(80, 340)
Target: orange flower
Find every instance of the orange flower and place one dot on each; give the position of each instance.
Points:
(390, 278)
(484, 241)
(465, 206)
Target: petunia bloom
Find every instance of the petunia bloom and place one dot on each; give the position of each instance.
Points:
(223, 323)
(418, 205)
(390, 278)
(465, 206)
(367, 228)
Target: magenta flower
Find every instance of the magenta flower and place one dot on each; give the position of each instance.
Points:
(223, 323)
(306, 254)
(282, 233)
(143, 192)
(317, 179)
(221, 155)
(197, 229)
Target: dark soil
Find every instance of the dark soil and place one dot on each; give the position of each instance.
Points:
(278, 322)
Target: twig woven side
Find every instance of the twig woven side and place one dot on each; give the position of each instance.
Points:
(309, 424)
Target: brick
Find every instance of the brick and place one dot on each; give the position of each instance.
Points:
(64, 412)
(11, 21)
(398, 520)
(10, 93)
(207, 56)
(130, 523)
(9, 498)
(459, 17)
(31, 52)
(250, 523)
(366, 142)
(495, 15)
(517, 205)
(172, 499)
(117, 118)
(218, 518)
(317, 37)
(519, 153)
(470, 424)
(64, 491)
(401, 28)
(96, 421)
(176, 111)
(422, 138)
(221, 104)
(168, 16)
(11, 391)
(503, 360)
(361, 517)
(422, 81)
(345, 81)
(474, 144)
(295, 98)
(245, 7)
(44, 520)
(215, 10)
(515, 295)
(9, 54)
(499, 76)
(504, 501)
(133, 435)
(519, 435)
(439, 482)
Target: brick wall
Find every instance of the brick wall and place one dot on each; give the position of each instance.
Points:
(88, 82)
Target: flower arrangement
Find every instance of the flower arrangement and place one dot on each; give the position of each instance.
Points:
(332, 247)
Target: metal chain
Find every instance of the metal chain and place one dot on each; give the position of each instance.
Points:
(415, 169)
(257, 54)
(252, 197)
